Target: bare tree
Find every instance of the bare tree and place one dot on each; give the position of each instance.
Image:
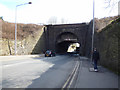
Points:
(64, 21)
(52, 20)
(111, 3)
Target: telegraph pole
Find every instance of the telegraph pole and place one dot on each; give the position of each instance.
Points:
(93, 29)
(16, 25)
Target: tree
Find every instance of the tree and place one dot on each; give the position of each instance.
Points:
(111, 3)
(62, 20)
(52, 20)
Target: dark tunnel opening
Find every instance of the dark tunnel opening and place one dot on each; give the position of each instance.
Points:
(62, 48)
(64, 41)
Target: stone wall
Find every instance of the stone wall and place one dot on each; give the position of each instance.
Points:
(106, 42)
(99, 25)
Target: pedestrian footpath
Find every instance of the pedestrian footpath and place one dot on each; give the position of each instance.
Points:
(104, 78)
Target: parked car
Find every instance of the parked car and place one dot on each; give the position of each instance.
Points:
(49, 53)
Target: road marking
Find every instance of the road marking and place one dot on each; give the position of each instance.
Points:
(80, 70)
(72, 76)
(69, 77)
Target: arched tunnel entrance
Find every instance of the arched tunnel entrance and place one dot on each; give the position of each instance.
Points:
(66, 41)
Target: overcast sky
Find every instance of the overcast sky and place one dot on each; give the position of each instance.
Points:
(40, 11)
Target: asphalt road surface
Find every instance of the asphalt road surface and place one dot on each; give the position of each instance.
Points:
(40, 72)
(62, 71)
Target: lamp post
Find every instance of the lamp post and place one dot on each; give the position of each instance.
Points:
(16, 25)
(93, 29)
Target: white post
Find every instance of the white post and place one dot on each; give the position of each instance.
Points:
(16, 25)
(16, 30)
(119, 8)
(93, 29)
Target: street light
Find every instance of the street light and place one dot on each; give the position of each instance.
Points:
(93, 29)
(16, 25)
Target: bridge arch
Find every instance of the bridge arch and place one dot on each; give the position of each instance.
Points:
(54, 34)
(64, 40)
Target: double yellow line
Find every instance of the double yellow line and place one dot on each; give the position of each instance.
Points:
(70, 79)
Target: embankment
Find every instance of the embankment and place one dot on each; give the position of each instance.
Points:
(29, 37)
(106, 41)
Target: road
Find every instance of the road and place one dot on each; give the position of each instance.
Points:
(62, 71)
(40, 72)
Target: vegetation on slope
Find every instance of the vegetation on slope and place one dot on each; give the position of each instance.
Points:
(107, 43)
(23, 30)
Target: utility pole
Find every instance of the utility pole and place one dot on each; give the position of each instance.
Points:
(16, 25)
(93, 29)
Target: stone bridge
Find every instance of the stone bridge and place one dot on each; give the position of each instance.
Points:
(59, 37)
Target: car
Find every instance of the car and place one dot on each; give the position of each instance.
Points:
(49, 53)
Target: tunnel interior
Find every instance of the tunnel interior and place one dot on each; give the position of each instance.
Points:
(64, 41)
(62, 47)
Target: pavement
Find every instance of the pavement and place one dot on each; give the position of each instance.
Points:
(104, 78)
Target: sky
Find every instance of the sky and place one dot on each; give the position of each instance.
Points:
(67, 11)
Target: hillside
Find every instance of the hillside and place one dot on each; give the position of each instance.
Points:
(103, 22)
(28, 38)
(23, 30)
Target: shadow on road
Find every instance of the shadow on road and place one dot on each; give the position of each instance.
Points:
(55, 76)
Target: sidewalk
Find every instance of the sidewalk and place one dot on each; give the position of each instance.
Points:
(101, 79)
(13, 57)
